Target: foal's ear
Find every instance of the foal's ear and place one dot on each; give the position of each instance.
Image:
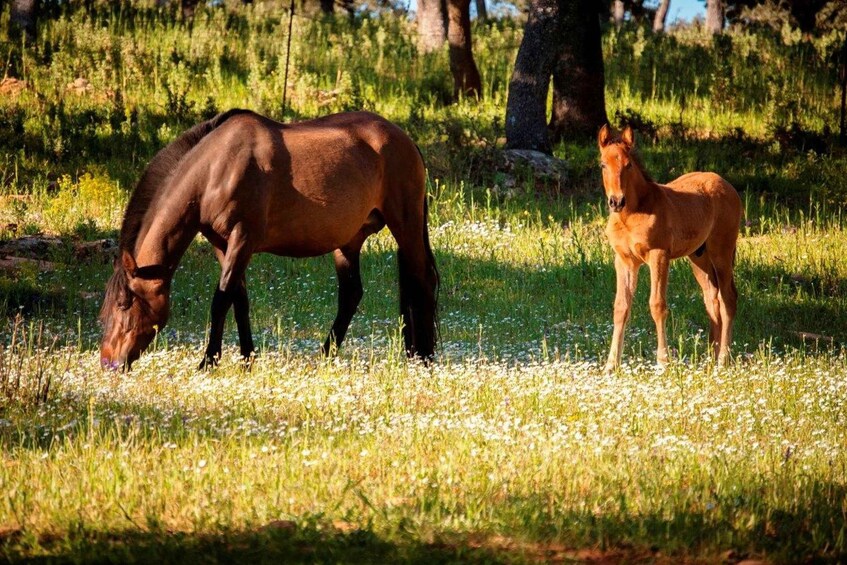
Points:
(128, 263)
(604, 136)
(628, 136)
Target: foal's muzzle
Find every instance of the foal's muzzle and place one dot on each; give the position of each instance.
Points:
(616, 204)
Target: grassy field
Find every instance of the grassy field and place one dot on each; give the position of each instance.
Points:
(513, 446)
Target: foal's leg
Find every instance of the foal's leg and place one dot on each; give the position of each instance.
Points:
(704, 272)
(659, 261)
(231, 290)
(626, 271)
(728, 298)
(349, 294)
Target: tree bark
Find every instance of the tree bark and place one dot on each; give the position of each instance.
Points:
(661, 16)
(23, 19)
(618, 13)
(579, 100)
(526, 107)
(714, 16)
(432, 24)
(481, 10)
(466, 79)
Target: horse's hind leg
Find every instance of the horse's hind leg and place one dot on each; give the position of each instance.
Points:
(349, 294)
(418, 284)
(349, 281)
(728, 299)
(705, 274)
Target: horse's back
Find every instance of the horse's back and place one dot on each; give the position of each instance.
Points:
(313, 183)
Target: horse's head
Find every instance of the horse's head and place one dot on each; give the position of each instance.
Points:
(136, 306)
(616, 161)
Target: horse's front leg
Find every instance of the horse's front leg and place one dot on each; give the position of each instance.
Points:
(626, 271)
(231, 291)
(659, 261)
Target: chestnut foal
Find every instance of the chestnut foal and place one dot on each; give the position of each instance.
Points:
(696, 216)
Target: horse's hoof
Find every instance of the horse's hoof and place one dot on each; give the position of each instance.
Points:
(247, 361)
(609, 369)
(208, 362)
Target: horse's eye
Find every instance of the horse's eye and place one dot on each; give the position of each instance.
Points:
(602, 165)
(628, 165)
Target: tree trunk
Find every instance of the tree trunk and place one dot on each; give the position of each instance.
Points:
(23, 19)
(661, 16)
(481, 10)
(466, 79)
(432, 24)
(714, 16)
(579, 101)
(526, 107)
(618, 12)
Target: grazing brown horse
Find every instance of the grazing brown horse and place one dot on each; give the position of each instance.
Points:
(249, 185)
(696, 216)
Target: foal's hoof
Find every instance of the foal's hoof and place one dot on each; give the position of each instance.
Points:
(208, 362)
(609, 369)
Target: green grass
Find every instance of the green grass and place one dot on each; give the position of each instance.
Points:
(513, 447)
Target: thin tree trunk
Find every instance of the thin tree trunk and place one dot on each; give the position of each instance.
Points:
(432, 24)
(526, 107)
(661, 16)
(842, 134)
(481, 10)
(23, 19)
(714, 16)
(466, 79)
(579, 101)
(618, 13)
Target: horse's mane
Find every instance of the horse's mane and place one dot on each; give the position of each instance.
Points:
(152, 180)
(634, 157)
(158, 170)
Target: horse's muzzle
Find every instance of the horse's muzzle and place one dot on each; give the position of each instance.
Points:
(616, 204)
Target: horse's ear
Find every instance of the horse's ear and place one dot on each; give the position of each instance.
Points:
(628, 137)
(604, 136)
(128, 263)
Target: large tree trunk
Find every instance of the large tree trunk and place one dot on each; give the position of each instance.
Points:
(23, 19)
(579, 100)
(481, 10)
(714, 16)
(432, 24)
(466, 79)
(661, 16)
(618, 12)
(526, 107)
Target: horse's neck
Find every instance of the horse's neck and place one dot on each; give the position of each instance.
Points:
(172, 222)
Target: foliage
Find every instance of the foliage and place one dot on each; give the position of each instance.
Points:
(512, 447)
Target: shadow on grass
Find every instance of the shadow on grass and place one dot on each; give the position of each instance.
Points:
(739, 531)
(486, 306)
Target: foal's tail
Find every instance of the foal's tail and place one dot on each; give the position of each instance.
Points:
(419, 282)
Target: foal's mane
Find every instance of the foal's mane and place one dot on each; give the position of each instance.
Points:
(152, 180)
(634, 156)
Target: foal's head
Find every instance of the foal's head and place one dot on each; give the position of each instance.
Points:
(616, 161)
(136, 305)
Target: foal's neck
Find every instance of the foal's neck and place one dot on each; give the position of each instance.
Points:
(641, 192)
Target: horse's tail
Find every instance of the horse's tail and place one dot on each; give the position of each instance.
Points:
(419, 284)
(159, 169)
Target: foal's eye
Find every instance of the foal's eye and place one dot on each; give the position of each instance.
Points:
(602, 165)
(628, 165)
